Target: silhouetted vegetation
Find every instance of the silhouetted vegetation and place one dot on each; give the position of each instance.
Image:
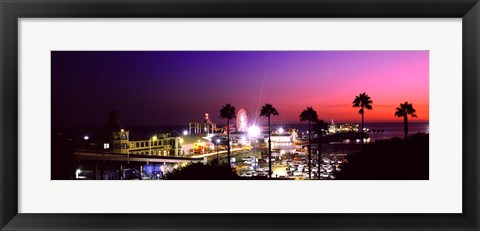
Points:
(267, 111)
(199, 171)
(309, 115)
(228, 112)
(392, 159)
(319, 127)
(362, 101)
(404, 110)
(63, 166)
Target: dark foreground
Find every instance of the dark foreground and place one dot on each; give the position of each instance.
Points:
(392, 159)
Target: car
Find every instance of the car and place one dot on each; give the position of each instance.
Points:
(297, 173)
(264, 170)
(262, 174)
(247, 174)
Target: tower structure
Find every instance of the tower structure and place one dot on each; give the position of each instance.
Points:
(117, 137)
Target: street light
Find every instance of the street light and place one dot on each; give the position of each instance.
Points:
(218, 142)
(77, 173)
(154, 138)
(254, 131)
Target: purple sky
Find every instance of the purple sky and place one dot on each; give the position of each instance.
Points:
(174, 88)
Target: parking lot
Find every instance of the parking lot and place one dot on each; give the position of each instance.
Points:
(290, 166)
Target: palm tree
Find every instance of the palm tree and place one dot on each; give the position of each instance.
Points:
(228, 112)
(319, 125)
(404, 110)
(363, 101)
(267, 111)
(309, 115)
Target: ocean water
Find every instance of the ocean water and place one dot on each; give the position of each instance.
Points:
(390, 130)
(396, 129)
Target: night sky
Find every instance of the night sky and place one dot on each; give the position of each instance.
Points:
(177, 87)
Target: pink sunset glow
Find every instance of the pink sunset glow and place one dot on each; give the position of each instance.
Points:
(176, 87)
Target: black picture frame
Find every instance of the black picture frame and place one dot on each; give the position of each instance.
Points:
(11, 11)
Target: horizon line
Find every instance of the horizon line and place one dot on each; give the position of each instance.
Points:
(296, 123)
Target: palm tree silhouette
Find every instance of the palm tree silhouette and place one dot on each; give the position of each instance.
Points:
(309, 115)
(363, 101)
(228, 112)
(319, 125)
(267, 111)
(404, 110)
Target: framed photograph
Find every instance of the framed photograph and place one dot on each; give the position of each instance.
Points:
(174, 115)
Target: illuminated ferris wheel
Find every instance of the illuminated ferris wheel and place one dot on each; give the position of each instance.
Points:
(242, 120)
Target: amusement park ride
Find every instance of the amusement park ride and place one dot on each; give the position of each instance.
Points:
(208, 130)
